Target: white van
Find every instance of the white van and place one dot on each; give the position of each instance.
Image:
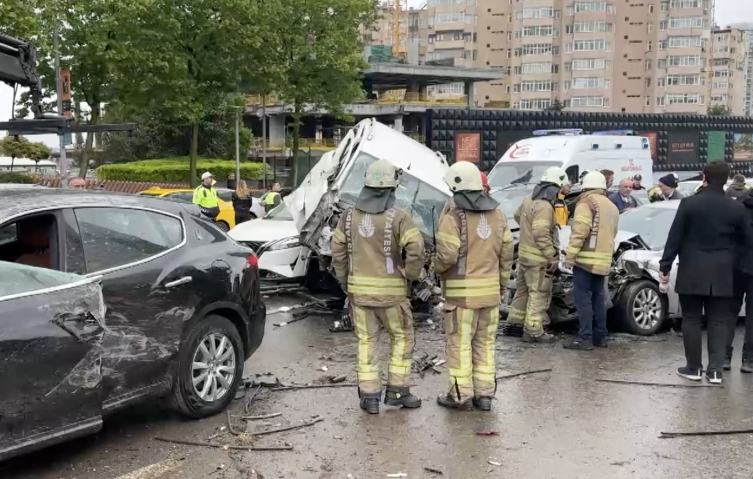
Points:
(527, 160)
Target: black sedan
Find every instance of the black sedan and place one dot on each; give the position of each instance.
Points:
(182, 312)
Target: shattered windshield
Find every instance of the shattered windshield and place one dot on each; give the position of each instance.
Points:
(510, 198)
(20, 278)
(279, 213)
(651, 224)
(412, 194)
(519, 172)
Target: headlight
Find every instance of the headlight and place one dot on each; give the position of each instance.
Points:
(285, 243)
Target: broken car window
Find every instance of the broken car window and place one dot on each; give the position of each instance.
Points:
(651, 224)
(279, 213)
(19, 278)
(118, 236)
(519, 172)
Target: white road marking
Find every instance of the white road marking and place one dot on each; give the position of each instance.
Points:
(153, 471)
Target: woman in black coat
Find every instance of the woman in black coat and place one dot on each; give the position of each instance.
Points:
(241, 202)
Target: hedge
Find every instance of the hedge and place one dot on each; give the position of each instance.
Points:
(175, 170)
(13, 177)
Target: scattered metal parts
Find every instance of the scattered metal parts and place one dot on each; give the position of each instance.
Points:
(487, 433)
(296, 318)
(316, 386)
(728, 432)
(338, 379)
(323, 368)
(288, 428)
(251, 398)
(433, 470)
(286, 447)
(664, 385)
(230, 424)
(426, 363)
(398, 474)
(265, 416)
(494, 463)
(524, 373)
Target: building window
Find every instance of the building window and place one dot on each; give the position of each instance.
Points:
(582, 7)
(588, 64)
(661, 64)
(662, 25)
(534, 68)
(664, 6)
(516, 70)
(684, 80)
(535, 104)
(591, 45)
(590, 27)
(539, 12)
(536, 85)
(687, 22)
(648, 82)
(689, 4)
(588, 101)
(648, 101)
(720, 85)
(659, 101)
(685, 99)
(720, 62)
(686, 42)
(648, 65)
(649, 46)
(516, 88)
(649, 27)
(536, 49)
(685, 60)
(722, 73)
(589, 83)
(507, 88)
(720, 98)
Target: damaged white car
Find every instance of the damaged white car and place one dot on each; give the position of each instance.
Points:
(637, 305)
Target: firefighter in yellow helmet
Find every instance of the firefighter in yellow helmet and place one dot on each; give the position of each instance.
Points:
(368, 247)
(474, 258)
(538, 257)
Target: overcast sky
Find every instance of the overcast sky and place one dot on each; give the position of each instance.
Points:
(727, 11)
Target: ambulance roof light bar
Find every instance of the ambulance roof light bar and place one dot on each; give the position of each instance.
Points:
(565, 131)
(616, 133)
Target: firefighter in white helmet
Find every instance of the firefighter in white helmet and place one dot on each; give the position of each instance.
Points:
(538, 257)
(474, 258)
(368, 248)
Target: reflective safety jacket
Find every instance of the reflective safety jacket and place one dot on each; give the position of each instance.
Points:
(367, 255)
(205, 197)
(474, 257)
(561, 213)
(592, 238)
(539, 235)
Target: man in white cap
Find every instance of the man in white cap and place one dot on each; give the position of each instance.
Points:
(206, 196)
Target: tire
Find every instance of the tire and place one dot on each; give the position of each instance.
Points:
(186, 398)
(223, 226)
(640, 300)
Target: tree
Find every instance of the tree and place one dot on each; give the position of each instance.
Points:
(38, 152)
(556, 105)
(188, 59)
(15, 147)
(719, 110)
(317, 47)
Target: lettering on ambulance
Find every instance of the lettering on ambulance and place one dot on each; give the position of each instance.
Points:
(520, 152)
(389, 264)
(631, 166)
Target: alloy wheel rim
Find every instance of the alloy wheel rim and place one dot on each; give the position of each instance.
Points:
(213, 368)
(647, 308)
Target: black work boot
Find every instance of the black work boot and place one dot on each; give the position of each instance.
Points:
(483, 403)
(727, 365)
(747, 366)
(544, 338)
(600, 342)
(512, 330)
(370, 403)
(450, 403)
(579, 345)
(401, 397)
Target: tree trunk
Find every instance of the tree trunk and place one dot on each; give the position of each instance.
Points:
(77, 112)
(83, 164)
(194, 149)
(296, 141)
(12, 160)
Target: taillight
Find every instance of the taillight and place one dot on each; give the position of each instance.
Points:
(253, 261)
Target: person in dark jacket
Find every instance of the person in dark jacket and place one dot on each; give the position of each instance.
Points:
(705, 234)
(737, 190)
(743, 290)
(241, 202)
(623, 199)
(668, 186)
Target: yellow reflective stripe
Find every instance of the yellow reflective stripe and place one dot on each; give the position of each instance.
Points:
(339, 235)
(397, 364)
(377, 291)
(595, 255)
(366, 371)
(586, 220)
(471, 293)
(457, 283)
(490, 344)
(507, 237)
(531, 252)
(374, 281)
(466, 349)
(484, 376)
(572, 250)
(515, 313)
(409, 236)
(592, 261)
(448, 238)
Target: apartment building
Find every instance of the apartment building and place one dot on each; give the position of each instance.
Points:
(728, 70)
(748, 28)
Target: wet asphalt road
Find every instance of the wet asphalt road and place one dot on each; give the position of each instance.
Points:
(561, 424)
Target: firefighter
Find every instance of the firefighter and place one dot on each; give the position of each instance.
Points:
(538, 257)
(589, 254)
(474, 258)
(367, 254)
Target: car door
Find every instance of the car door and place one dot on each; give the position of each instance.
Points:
(150, 291)
(51, 328)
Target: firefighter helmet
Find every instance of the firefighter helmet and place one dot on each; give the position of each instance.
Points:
(382, 174)
(555, 175)
(463, 176)
(594, 180)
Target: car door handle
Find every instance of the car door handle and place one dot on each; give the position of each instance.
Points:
(179, 282)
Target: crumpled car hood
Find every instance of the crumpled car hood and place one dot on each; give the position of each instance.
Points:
(622, 236)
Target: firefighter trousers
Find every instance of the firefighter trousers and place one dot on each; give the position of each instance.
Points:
(398, 322)
(471, 335)
(533, 293)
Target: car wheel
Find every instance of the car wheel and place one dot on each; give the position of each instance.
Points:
(643, 309)
(210, 366)
(223, 226)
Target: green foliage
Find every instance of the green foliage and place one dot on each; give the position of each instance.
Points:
(20, 147)
(13, 177)
(175, 170)
(556, 105)
(719, 110)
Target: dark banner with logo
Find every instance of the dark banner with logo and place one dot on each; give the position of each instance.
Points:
(683, 146)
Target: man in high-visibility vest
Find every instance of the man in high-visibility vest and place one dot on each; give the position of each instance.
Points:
(376, 251)
(206, 196)
(474, 259)
(273, 198)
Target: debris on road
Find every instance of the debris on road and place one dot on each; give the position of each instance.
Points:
(250, 399)
(494, 463)
(337, 379)
(425, 363)
(324, 368)
(487, 433)
(315, 386)
(433, 470)
(288, 428)
(730, 432)
(265, 416)
(230, 424)
(524, 373)
(286, 447)
(398, 474)
(664, 385)
(268, 380)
